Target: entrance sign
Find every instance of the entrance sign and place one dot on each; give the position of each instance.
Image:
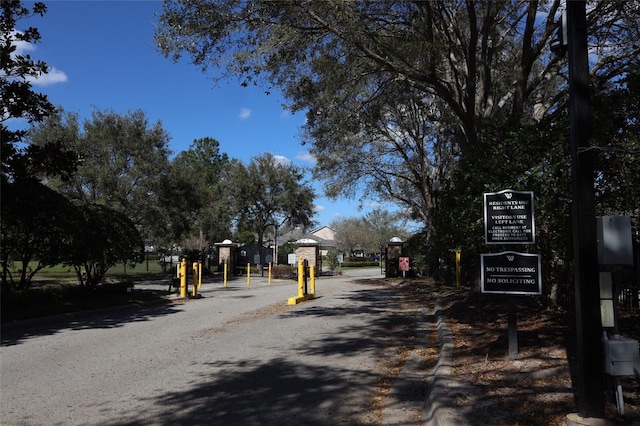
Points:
(508, 217)
(510, 272)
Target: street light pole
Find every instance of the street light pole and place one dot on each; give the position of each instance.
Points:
(590, 398)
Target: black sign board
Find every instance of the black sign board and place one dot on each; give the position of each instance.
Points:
(508, 217)
(510, 272)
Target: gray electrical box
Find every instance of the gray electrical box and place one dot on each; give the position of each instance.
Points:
(621, 357)
(615, 245)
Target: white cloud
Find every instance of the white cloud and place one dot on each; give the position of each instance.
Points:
(245, 113)
(23, 47)
(306, 156)
(281, 159)
(54, 76)
(319, 208)
(336, 214)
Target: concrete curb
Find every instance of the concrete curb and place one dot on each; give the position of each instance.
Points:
(438, 408)
(405, 403)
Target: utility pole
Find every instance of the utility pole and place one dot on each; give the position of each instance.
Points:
(588, 324)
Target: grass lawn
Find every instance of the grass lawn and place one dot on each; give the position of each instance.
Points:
(55, 291)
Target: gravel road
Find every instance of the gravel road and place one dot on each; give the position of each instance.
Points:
(240, 355)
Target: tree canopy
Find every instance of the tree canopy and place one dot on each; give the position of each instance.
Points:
(270, 192)
(481, 60)
(122, 158)
(204, 203)
(399, 94)
(368, 233)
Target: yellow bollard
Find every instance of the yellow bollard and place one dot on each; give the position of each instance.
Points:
(194, 290)
(225, 275)
(183, 278)
(301, 278)
(269, 281)
(301, 295)
(458, 270)
(199, 274)
(248, 274)
(312, 281)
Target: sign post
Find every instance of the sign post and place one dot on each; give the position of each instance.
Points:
(514, 274)
(403, 263)
(509, 219)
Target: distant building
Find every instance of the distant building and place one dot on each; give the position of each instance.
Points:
(324, 236)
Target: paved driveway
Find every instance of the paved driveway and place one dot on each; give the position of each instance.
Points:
(240, 355)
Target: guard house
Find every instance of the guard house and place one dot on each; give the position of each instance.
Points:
(309, 249)
(226, 254)
(395, 247)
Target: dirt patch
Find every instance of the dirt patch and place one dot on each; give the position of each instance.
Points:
(538, 386)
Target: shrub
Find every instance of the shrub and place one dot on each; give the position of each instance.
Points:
(360, 264)
(284, 272)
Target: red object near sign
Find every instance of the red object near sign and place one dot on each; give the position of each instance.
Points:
(404, 264)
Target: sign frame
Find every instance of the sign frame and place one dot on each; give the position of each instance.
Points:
(515, 223)
(520, 270)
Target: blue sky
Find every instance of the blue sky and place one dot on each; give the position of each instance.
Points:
(102, 55)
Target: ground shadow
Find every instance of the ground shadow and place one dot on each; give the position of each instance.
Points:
(16, 332)
(254, 393)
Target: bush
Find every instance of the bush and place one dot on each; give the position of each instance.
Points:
(360, 264)
(284, 272)
(54, 299)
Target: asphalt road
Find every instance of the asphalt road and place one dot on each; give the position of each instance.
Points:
(240, 355)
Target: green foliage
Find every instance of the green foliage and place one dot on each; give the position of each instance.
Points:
(37, 224)
(123, 159)
(58, 299)
(531, 158)
(103, 239)
(202, 206)
(269, 192)
(415, 247)
(396, 93)
(284, 251)
(616, 140)
(19, 101)
(331, 260)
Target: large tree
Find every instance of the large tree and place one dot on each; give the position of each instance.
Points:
(270, 192)
(122, 158)
(206, 170)
(396, 90)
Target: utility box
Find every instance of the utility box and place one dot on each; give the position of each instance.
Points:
(621, 357)
(615, 246)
